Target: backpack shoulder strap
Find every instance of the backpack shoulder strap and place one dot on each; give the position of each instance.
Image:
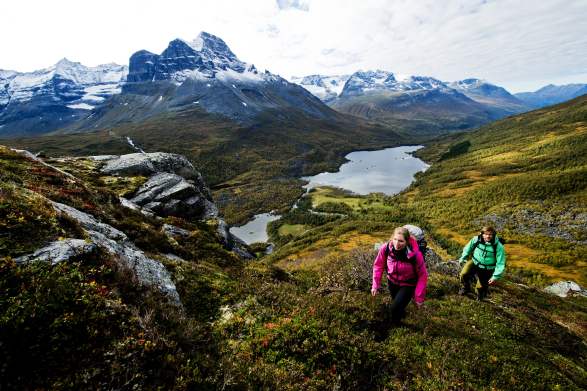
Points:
(385, 255)
(475, 244)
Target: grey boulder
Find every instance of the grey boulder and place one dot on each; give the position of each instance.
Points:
(59, 251)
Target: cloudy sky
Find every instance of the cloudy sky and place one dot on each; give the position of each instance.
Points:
(519, 44)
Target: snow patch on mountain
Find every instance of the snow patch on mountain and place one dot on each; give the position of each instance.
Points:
(82, 106)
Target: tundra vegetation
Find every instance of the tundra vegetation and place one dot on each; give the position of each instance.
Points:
(302, 317)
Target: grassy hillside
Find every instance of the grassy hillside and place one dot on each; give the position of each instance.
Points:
(527, 175)
(302, 318)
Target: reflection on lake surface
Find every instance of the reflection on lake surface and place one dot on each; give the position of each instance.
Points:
(386, 171)
(256, 229)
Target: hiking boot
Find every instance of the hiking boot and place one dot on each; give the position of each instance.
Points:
(463, 291)
(481, 295)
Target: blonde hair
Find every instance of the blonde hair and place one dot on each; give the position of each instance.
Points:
(402, 231)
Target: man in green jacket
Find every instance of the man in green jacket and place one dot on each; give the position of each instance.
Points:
(488, 262)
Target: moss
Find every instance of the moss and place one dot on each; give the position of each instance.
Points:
(27, 222)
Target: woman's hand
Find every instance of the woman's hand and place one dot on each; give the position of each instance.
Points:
(373, 292)
(419, 305)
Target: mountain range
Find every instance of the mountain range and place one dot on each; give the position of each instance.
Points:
(52, 98)
(551, 95)
(203, 74)
(438, 105)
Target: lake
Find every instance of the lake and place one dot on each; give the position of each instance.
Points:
(256, 229)
(386, 171)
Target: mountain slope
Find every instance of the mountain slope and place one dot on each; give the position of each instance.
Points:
(436, 107)
(498, 100)
(551, 94)
(85, 323)
(527, 176)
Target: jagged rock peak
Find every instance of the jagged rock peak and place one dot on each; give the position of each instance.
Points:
(206, 55)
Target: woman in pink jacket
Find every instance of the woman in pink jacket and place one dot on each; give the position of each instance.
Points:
(406, 272)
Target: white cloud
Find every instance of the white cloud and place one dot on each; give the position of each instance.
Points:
(514, 43)
(298, 4)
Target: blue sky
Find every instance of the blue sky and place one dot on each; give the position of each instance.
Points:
(521, 45)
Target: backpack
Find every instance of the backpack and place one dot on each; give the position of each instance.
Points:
(418, 234)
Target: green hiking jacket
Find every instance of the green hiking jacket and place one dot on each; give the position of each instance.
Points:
(484, 257)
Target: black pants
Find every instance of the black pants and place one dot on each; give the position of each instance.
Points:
(401, 298)
(483, 277)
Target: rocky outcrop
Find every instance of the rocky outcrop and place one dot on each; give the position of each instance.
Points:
(168, 194)
(174, 232)
(148, 272)
(59, 251)
(147, 164)
(565, 288)
(174, 188)
(569, 225)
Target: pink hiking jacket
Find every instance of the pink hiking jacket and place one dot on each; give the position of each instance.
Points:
(402, 273)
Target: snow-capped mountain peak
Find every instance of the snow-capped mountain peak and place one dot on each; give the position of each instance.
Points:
(468, 83)
(66, 80)
(379, 81)
(326, 88)
(205, 57)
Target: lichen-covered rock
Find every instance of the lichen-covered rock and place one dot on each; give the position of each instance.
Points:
(147, 164)
(168, 194)
(59, 251)
(148, 272)
(174, 232)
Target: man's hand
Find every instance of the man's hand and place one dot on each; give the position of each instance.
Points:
(492, 281)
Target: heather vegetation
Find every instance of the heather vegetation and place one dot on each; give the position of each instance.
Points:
(303, 317)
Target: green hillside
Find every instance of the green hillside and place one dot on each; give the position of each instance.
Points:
(527, 175)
